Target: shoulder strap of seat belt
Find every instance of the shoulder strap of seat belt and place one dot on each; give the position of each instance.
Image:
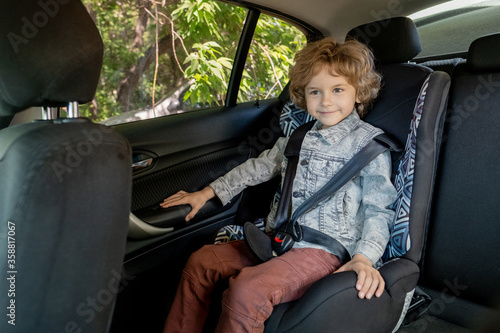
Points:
(378, 145)
(292, 152)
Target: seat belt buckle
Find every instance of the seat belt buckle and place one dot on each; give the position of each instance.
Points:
(282, 242)
(286, 236)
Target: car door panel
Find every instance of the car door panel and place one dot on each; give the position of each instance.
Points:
(187, 152)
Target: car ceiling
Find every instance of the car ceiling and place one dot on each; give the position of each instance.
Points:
(336, 21)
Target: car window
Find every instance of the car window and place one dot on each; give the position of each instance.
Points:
(163, 58)
(271, 53)
(450, 28)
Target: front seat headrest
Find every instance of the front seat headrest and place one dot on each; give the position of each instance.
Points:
(51, 54)
(392, 41)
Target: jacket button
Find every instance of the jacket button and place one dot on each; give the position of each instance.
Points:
(304, 162)
(297, 194)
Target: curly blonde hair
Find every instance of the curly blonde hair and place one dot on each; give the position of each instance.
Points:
(351, 59)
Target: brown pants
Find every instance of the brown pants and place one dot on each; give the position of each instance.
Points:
(253, 288)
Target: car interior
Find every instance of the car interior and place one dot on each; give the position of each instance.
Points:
(88, 248)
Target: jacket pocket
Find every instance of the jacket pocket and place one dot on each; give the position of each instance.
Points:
(334, 214)
(322, 168)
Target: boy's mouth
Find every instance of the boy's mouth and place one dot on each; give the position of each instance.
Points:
(328, 111)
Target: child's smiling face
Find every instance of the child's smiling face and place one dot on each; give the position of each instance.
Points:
(330, 99)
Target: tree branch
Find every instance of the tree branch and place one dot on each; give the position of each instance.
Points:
(133, 75)
(142, 22)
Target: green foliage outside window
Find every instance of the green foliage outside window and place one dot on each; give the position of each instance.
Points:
(183, 50)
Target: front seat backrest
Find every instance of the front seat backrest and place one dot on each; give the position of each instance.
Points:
(65, 183)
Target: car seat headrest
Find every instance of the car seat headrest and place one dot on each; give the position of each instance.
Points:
(394, 40)
(483, 53)
(51, 54)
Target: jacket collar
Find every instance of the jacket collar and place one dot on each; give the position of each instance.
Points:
(337, 132)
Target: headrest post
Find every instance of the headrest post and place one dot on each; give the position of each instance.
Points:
(73, 110)
(49, 113)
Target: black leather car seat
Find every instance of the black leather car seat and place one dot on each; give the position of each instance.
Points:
(462, 256)
(331, 305)
(65, 183)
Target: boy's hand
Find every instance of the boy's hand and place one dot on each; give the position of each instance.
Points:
(196, 200)
(370, 282)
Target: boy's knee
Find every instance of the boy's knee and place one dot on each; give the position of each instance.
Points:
(248, 298)
(199, 260)
(243, 289)
(238, 288)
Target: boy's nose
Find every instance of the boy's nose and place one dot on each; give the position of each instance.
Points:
(327, 100)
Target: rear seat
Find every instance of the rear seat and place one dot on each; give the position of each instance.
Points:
(461, 262)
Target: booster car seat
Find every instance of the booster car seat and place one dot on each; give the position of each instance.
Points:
(411, 108)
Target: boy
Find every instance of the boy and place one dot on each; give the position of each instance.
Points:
(335, 83)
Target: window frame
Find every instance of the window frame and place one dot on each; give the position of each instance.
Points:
(246, 38)
(241, 55)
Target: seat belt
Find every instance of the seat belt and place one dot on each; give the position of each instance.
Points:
(288, 231)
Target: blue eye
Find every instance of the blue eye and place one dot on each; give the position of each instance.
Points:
(338, 90)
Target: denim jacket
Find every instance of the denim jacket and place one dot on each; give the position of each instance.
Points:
(358, 215)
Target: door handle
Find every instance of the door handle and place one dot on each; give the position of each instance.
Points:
(136, 166)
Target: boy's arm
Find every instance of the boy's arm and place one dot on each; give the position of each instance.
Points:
(253, 171)
(378, 196)
(196, 200)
